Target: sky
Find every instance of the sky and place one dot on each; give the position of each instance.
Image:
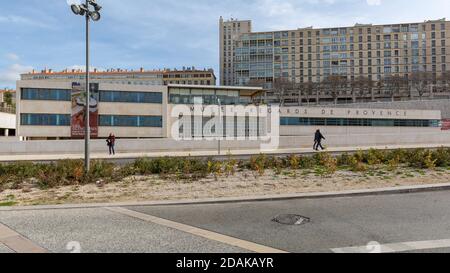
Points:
(157, 34)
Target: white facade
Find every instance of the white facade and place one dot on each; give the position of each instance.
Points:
(293, 121)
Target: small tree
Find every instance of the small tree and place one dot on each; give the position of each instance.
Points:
(301, 92)
(393, 85)
(8, 98)
(280, 88)
(363, 86)
(335, 84)
(420, 81)
(444, 80)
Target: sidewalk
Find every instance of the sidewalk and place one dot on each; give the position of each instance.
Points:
(238, 153)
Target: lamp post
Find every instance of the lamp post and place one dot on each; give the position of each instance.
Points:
(84, 10)
(219, 131)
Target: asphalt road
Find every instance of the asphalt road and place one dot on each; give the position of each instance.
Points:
(418, 222)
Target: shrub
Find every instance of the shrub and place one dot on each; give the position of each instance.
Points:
(230, 167)
(442, 157)
(393, 163)
(375, 157)
(344, 159)
(294, 162)
(356, 164)
(258, 164)
(428, 161)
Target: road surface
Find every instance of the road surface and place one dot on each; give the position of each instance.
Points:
(418, 222)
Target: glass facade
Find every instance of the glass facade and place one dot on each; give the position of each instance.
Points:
(255, 55)
(45, 94)
(44, 120)
(105, 96)
(293, 121)
(131, 97)
(205, 96)
(131, 121)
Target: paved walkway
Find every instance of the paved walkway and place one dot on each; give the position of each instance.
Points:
(237, 153)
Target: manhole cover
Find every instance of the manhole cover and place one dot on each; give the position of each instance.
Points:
(291, 219)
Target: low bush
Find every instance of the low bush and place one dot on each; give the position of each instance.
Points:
(71, 172)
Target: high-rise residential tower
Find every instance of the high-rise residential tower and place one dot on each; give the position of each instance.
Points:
(230, 32)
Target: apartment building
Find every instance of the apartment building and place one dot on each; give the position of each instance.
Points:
(190, 75)
(310, 55)
(230, 32)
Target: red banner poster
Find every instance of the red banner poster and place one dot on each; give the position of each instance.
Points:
(78, 110)
(446, 124)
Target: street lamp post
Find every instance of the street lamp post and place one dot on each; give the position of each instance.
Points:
(219, 131)
(84, 10)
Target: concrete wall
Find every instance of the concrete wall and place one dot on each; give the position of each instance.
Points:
(7, 121)
(441, 105)
(167, 145)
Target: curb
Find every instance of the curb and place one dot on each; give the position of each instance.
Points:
(212, 201)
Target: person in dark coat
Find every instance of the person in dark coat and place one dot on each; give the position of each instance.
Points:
(318, 140)
(111, 141)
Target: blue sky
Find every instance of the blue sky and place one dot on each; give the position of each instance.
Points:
(170, 33)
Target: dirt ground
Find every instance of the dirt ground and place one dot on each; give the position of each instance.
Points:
(242, 184)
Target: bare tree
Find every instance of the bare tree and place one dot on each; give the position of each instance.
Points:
(361, 87)
(309, 90)
(281, 88)
(301, 92)
(421, 81)
(393, 85)
(444, 80)
(335, 85)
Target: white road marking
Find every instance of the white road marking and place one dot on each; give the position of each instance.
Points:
(397, 247)
(197, 231)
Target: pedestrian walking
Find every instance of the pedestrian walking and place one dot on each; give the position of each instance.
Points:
(318, 140)
(111, 141)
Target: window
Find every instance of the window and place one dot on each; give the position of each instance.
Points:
(293, 121)
(130, 97)
(45, 94)
(130, 121)
(44, 120)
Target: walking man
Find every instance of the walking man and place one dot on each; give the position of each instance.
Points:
(111, 141)
(318, 140)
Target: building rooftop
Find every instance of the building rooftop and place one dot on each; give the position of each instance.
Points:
(114, 71)
(442, 20)
(245, 91)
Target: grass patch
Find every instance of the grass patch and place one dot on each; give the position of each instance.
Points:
(8, 204)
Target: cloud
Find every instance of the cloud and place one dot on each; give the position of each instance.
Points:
(25, 21)
(12, 57)
(11, 74)
(374, 2)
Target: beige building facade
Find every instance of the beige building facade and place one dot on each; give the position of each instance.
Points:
(310, 55)
(229, 32)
